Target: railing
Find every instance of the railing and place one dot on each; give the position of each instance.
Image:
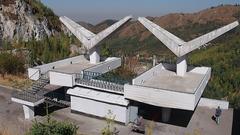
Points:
(98, 80)
(27, 96)
(35, 92)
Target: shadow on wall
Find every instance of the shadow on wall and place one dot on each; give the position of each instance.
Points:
(178, 117)
(236, 122)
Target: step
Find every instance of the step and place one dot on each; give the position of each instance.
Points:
(60, 103)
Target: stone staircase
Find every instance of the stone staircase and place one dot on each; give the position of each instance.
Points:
(37, 92)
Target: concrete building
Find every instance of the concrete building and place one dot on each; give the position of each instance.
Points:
(165, 85)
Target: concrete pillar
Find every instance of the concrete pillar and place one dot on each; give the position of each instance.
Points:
(166, 114)
(28, 112)
(94, 57)
(181, 65)
(154, 60)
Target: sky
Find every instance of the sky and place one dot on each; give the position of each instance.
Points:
(95, 11)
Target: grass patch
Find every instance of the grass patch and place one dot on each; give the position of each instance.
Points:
(18, 82)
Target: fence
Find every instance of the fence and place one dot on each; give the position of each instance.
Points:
(99, 80)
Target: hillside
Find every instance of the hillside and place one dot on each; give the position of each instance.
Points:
(185, 25)
(27, 19)
(30, 25)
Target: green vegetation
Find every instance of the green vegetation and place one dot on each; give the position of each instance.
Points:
(11, 64)
(47, 50)
(109, 129)
(52, 127)
(41, 11)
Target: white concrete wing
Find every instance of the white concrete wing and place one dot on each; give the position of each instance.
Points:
(88, 38)
(168, 39)
(103, 34)
(178, 46)
(80, 32)
(198, 42)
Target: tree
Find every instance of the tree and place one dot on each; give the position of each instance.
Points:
(109, 129)
(52, 127)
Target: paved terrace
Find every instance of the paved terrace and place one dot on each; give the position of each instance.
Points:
(169, 80)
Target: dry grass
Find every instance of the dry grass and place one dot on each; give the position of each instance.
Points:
(4, 132)
(18, 82)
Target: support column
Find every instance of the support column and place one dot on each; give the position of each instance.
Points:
(166, 114)
(154, 60)
(28, 112)
(181, 65)
(94, 57)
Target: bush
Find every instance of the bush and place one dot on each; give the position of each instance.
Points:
(109, 129)
(52, 127)
(11, 64)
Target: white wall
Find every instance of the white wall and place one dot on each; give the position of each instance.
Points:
(20, 101)
(61, 79)
(212, 103)
(46, 67)
(106, 66)
(34, 73)
(146, 75)
(158, 97)
(99, 109)
(202, 85)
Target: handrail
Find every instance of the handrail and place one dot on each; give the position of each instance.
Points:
(93, 79)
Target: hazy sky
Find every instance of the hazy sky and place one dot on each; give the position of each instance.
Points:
(95, 11)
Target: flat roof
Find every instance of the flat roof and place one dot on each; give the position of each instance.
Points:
(98, 95)
(75, 67)
(168, 80)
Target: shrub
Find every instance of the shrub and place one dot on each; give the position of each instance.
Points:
(109, 129)
(52, 127)
(11, 64)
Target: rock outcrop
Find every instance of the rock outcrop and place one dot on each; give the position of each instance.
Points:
(17, 21)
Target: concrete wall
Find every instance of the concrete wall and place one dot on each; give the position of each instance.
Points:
(146, 75)
(106, 66)
(61, 79)
(99, 109)
(46, 67)
(27, 102)
(158, 97)
(34, 73)
(203, 84)
(200, 70)
(212, 103)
